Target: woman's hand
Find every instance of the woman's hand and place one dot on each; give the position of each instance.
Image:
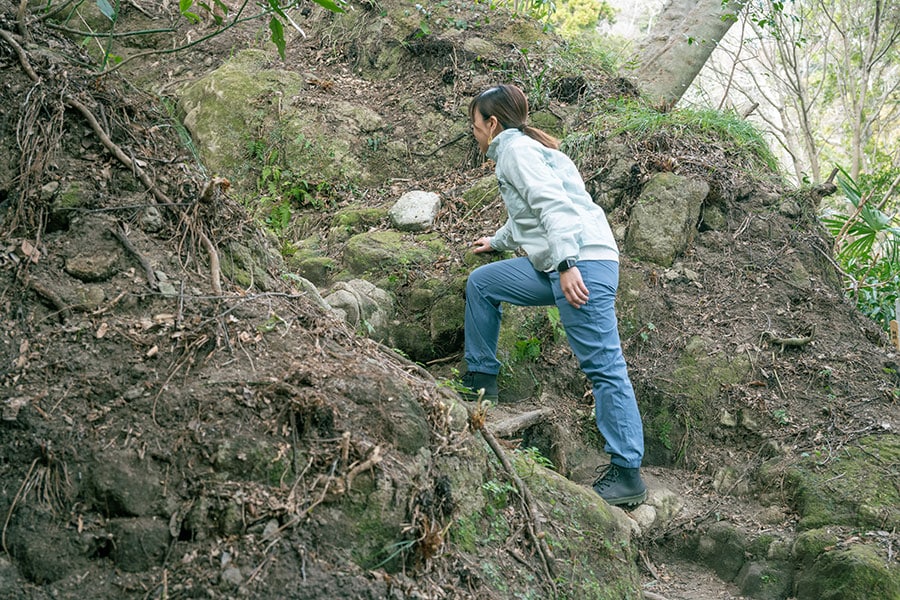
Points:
(482, 244)
(573, 287)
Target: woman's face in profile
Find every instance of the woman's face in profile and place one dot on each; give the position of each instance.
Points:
(483, 130)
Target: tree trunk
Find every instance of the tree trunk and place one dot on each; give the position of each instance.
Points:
(679, 45)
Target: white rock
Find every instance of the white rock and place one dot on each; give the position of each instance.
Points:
(415, 211)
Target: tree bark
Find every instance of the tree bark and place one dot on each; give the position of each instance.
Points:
(679, 45)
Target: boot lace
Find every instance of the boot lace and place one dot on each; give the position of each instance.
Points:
(607, 475)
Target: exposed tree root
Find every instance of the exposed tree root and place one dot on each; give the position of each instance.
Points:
(126, 160)
(148, 269)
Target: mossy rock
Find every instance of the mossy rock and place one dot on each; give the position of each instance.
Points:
(307, 261)
(358, 220)
(483, 192)
(632, 303)
(721, 547)
(523, 337)
(251, 460)
(595, 548)
(225, 110)
(810, 544)
(548, 122)
(447, 323)
(388, 252)
(860, 488)
(246, 266)
(854, 573)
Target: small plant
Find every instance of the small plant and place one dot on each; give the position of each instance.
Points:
(646, 331)
(498, 492)
(665, 434)
(781, 416)
(527, 349)
(556, 326)
(534, 456)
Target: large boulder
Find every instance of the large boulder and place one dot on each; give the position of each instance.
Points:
(664, 219)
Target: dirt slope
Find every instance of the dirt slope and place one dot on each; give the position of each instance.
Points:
(106, 362)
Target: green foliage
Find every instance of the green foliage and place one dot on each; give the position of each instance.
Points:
(575, 18)
(527, 349)
(646, 331)
(498, 492)
(701, 126)
(867, 248)
(533, 456)
(555, 321)
(273, 9)
(281, 189)
(540, 10)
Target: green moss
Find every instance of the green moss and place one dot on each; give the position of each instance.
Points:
(590, 544)
(810, 544)
(377, 544)
(854, 488)
(482, 193)
(465, 533)
(700, 374)
(387, 252)
(72, 195)
(252, 460)
(759, 547)
(357, 220)
(856, 573)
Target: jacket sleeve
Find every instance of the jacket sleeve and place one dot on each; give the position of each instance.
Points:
(544, 193)
(501, 241)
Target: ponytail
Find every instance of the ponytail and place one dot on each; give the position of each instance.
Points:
(541, 136)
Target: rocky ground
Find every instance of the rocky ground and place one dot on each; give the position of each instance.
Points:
(122, 341)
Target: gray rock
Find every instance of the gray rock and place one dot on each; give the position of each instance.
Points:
(415, 211)
(151, 220)
(140, 544)
(361, 303)
(232, 576)
(664, 219)
(96, 266)
(124, 485)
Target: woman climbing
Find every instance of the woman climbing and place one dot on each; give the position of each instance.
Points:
(572, 262)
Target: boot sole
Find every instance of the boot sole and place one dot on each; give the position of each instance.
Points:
(628, 500)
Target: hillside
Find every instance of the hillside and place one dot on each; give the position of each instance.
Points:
(184, 415)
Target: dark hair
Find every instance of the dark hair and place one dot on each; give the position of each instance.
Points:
(510, 105)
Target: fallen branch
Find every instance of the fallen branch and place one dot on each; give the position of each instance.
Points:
(796, 342)
(519, 422)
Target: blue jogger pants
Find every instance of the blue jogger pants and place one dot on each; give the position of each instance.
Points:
(592, 332)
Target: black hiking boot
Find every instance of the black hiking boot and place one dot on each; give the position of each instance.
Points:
(473, 382)
(620, 486)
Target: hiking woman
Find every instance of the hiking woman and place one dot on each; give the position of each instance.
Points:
(572, 263)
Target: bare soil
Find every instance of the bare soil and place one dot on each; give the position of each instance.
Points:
(101, 367)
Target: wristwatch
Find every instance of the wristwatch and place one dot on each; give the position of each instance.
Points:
(566, 264)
